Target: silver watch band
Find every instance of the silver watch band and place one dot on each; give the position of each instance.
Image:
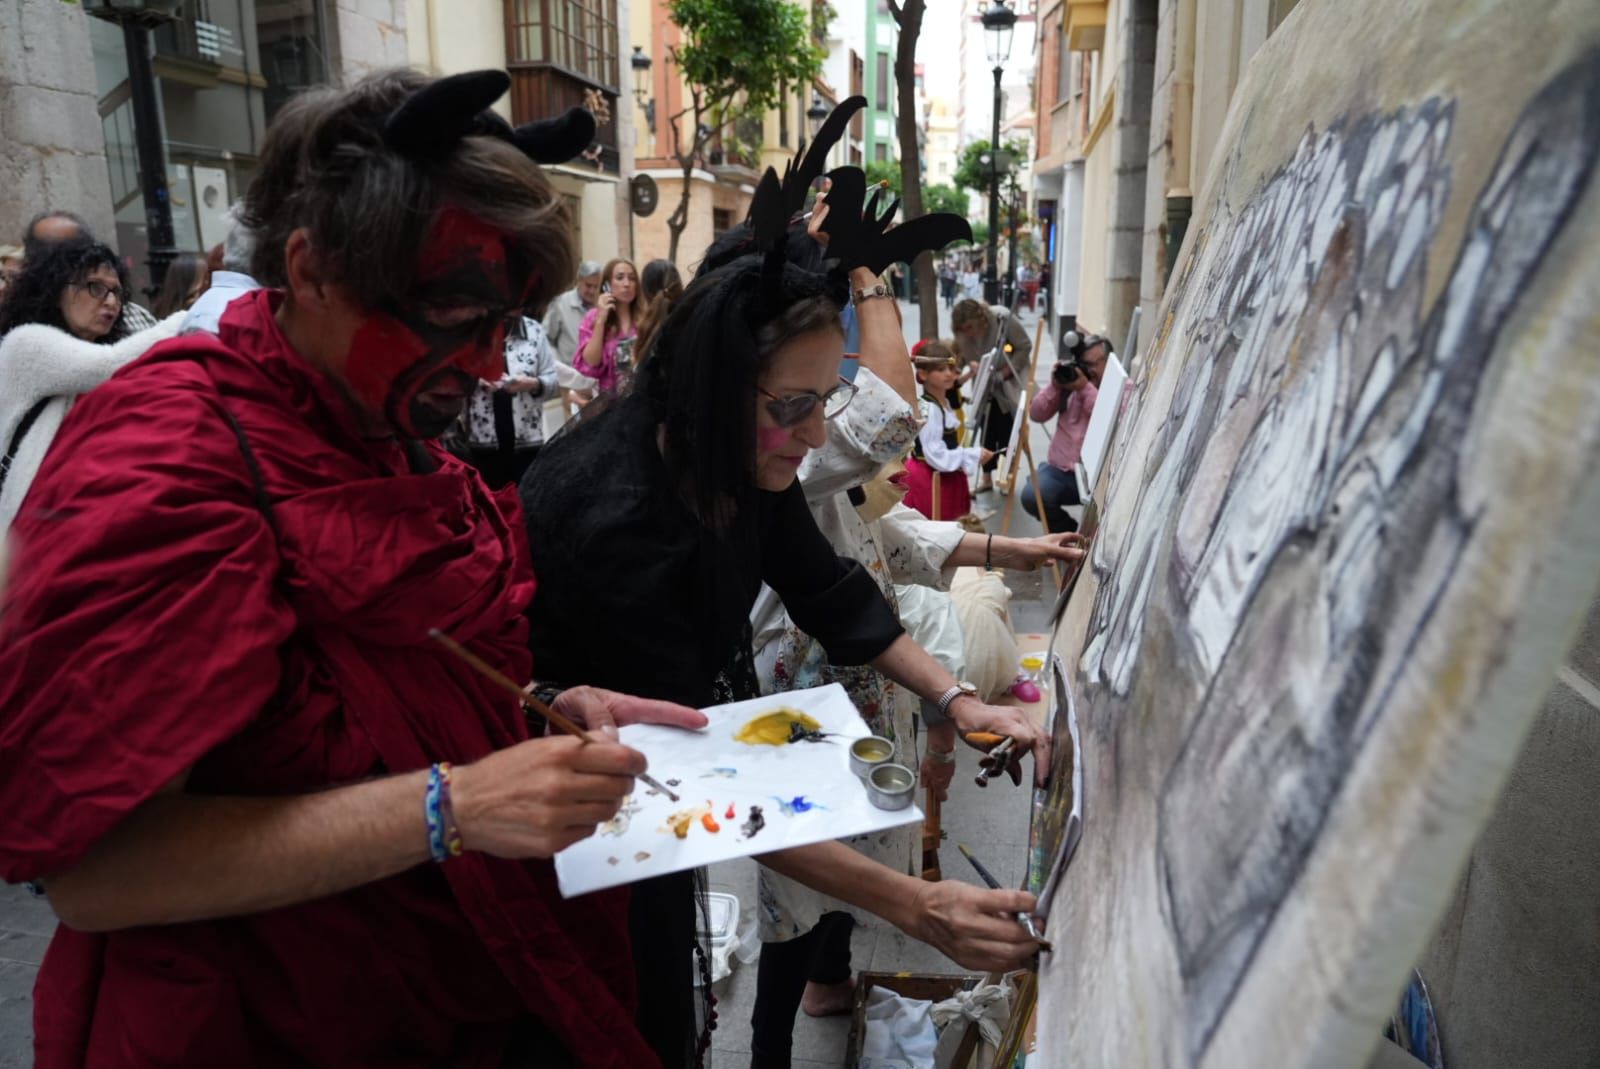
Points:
(951, 695)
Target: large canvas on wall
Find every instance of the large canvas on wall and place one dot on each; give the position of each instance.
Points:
(1348, 528)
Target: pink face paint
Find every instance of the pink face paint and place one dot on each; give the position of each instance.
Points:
(771, 439)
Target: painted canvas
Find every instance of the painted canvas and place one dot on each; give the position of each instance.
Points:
(1348, 528)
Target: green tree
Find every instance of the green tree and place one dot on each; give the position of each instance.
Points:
(735, 56)
(943, 198)
(884, 171)
(972, 173)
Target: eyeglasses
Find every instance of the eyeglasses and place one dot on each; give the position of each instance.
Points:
(797, 408)
(100, 291)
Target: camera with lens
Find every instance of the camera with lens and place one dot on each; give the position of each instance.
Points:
(1066, 373)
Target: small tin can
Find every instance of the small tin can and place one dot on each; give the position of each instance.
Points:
(891, 786)
(868, 753)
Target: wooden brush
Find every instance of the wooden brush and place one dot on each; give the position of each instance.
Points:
(505, 683)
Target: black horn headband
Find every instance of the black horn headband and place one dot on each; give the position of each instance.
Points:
(433, 121)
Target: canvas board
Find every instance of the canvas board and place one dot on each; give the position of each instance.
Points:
(1102, 422)
(1056, 826)
(1350, 533)
(711, 766)
(1012, 462)
(981, 383)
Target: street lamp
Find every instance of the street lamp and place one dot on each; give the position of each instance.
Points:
(817, 112)
(642, 88)
(136, 17)
(997, 21)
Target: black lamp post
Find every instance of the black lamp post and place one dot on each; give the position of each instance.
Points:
(641, 87)
(1011, 256)
(817, 112)
(136, 17)
(997, 21)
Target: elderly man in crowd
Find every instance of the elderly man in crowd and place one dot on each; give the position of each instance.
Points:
(561, 323)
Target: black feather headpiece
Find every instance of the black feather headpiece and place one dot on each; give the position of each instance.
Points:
(859, 235)
(433, 121)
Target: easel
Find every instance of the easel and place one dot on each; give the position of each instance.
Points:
(1024, 450)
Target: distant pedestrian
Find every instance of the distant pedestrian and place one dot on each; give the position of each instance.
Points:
(606, 336)
(187, 278)
(565, 314)
(505, 419)
(947, 283)
(230, 281)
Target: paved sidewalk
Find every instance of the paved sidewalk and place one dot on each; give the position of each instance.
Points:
(26, 924)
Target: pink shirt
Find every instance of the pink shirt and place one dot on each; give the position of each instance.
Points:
(1067, 444)
(607, 373)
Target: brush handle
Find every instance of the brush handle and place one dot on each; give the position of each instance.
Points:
(505, 683)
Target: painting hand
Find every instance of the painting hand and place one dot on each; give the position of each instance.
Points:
(1029, 553)
(972, 715)
(603, 711)
(539, 797)
(975, 926)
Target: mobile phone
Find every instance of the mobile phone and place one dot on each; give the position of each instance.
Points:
(605, 287)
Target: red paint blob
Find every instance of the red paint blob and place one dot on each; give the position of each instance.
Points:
(729, 815)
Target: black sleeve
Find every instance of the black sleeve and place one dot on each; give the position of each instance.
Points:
(829, 597)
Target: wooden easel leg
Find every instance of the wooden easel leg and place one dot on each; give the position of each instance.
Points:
(1038, 501)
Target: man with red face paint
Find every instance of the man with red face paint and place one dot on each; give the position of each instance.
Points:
(226, 741)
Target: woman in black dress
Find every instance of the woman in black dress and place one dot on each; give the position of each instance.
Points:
(653, 526)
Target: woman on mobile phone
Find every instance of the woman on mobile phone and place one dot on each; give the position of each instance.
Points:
(606, 336)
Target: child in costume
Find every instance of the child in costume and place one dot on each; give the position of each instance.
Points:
(938, 458)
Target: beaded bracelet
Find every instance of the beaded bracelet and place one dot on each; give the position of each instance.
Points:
(444, 838)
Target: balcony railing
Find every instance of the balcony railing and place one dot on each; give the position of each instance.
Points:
(539, 91)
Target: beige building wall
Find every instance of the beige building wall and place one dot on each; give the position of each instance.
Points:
(371, 35)
(1092, 309)
(449, 36)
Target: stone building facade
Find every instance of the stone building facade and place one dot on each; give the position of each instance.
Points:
(54, 153)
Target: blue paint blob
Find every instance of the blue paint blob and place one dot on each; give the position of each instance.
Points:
(797, 804)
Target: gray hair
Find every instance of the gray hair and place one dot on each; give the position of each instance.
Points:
(239, 245)
(588, 267)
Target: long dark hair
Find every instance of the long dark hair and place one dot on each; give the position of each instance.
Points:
(660, 286)
(185, 270)
(35, 296)
(698, 378)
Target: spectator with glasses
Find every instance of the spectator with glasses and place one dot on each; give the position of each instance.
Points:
(63, 331)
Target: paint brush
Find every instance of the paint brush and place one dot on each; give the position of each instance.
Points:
(996, 761)
(994, 885)
(983, 738)
(505, 683)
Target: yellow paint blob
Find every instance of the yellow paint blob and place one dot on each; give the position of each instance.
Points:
(773, 729)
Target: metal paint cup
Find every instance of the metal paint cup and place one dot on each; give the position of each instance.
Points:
(868, 753)
(891, 786)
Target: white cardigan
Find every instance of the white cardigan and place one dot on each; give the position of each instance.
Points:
(39, 361)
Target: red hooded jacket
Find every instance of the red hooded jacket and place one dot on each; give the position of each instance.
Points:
(163, 617)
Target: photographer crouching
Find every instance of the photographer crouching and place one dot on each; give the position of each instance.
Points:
(1070, 395)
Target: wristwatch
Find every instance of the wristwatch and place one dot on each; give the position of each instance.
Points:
(867, 293)
(952, 694)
